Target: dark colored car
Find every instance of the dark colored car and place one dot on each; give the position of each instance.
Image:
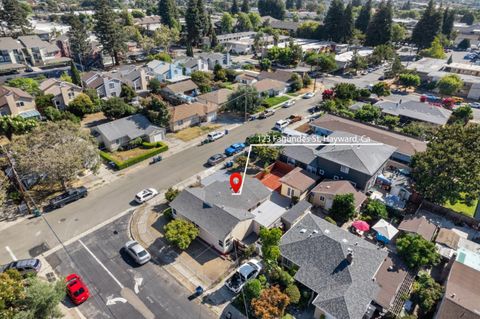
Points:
(69, 196)
(25, 266)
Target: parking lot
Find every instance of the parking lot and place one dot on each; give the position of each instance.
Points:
(118, 287)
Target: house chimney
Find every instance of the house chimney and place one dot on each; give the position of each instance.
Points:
(350, 257)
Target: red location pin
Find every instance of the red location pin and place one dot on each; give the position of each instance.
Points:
(236, 181)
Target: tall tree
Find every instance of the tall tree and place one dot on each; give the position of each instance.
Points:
(76, 79)
(167, 10)
(78, 39)
(448, 20)
(299, 4)
(234, 9)
(13, 17)
(289, 4)
(333, 23)
(468, 18)
(348, 23)
(108, 31)
(193, 22)
(165, 36)
(379, 30)
(226, 24)
(417, 251)
(273, 8)
(243, 22)
(343, 208)
(157, 112)
(427, 27)
(245, 6)
(364, 16)
(202, 18)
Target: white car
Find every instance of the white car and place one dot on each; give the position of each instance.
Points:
(281, 124)
(215, 136)
(309, 95)
(137, 252)
(246, 272)
(145, 195)
(475, 105)
(288, 103)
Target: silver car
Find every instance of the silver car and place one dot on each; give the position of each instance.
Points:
(137, 252)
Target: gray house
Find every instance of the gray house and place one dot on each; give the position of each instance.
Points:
(338, 267)
(417, 111)
(360, 163)
(120, 132)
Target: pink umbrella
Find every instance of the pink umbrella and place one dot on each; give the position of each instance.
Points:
(361, 225)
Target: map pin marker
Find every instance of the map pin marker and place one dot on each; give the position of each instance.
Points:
(236, 181)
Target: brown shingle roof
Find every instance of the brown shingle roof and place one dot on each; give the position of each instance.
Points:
(279, 75)
(390, 277)
(184, 111)
(419, 225)
(216, 97)
(448, 238)
(404, 144)
(340, 188)
(300, 179)
(181, 87)
(268, 84)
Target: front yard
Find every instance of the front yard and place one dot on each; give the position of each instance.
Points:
(191, 133)
(126, 158)
(275, 100)
(462, 207)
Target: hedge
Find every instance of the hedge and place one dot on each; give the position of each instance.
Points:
(134, 160)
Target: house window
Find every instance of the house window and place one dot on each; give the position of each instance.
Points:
(71, 95)
(111, 85)
(322, 199)
(344, 169)
(321, 171)
(57, 103)
(220, 243)
(291, 161)
(180, 122)
(335, 177)
(228, 242)
(310, 169)
(20, 104)
(290, 192)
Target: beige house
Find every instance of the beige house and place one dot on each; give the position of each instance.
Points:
(217, 98)
(269, 87)
(16, 102)
(186, 115)
(297, 183)
(324, 193)
(63, 92)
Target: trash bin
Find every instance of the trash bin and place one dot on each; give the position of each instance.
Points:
(199, 290)
(37, 212)
(226, 132)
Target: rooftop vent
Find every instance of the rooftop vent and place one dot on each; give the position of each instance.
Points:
(303, 231)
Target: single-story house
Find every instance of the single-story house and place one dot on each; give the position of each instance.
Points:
(63, 92)
(246, 78)
(269, 87)
(337, 266)
(297, 183)
(188, 88)
(447, 241)
(294, 214)
(324, 193)
(405, 146)
(186, 115)
(16, 102)
(279, 75)
(221, 217)
(418, 224)
(120, 132)
(416, 111)
(149, 23)
(217, 98)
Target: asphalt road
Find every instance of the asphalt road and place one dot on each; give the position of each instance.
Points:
(33, 237)
(119, 288)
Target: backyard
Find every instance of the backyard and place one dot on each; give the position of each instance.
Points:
(462, 207)
(191, 133)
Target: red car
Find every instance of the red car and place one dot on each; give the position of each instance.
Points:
(76, 289)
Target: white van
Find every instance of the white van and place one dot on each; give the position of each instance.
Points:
(281, 124)
(215, 136)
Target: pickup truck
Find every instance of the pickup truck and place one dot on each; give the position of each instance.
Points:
(246, 272)
(266, 113)
(234, 149)
(294, 118)
(69, 196)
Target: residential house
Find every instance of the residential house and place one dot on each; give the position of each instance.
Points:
(105, 85)
(297, 183)
(221, 218)
(11, 55)
(217, 98)
(462, 289)
(224, 38)
(284, 25)
(246, 78)
(418, 224)
(416, 111)
(183, 88)
(133, 76)
(120, 132)
(269, 87)
(294, 214)
(324, 193)
(344, 59)
(212, 59)
(190, 65)
(149, 23)
(16, 102)
(63, 92)
(186, 115)
(447, 242)
(42, 53)
(165, 72)
(405, 146)
(279, 75)
(338, 267)
(360, 163)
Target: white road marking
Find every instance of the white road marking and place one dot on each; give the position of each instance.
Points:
(11, 253)
(113, 301)
(138, 283)
(101, 264)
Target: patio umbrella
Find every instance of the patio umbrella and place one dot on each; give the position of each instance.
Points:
(361, 225)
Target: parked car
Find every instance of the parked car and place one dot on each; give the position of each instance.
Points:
(314, 109)
(234, 149)
(294, 118)
(76, 289)
(281, 124)
(475, 105)
(145, 195)
(266, 113)
(69, 196)
(24, 266)
(309, 95)
(137, 252)
(215, 136)
(215, 159)
(288, 103)
(246, 272)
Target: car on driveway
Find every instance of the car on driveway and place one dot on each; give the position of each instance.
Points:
(234, 149)
(24, 266)
(69, 196)
(246, 272)
(76, 289)
(145, 195)
(137, 252)
(215, 159)
(288, 103)
(309, 95)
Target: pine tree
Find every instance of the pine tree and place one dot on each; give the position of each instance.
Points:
(234, 9)
(213, 37)
(245, 6)
(356, 3)
(273, 8)
(167, 10)
(348, 24)
(13, 17)
(108, 31)
(78, 38)
(333, 23)
(448, 20)
(299, 4)
(364, 17)
(189, 51)
(202, 18)
(450, 60)
(427, 27)
(76, 79)
(379, 30)
(192, 19)
(407, 5)
(289, 4)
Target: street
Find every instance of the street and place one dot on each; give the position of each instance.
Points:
(119, 288)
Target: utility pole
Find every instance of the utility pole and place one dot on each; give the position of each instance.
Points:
(246, 102)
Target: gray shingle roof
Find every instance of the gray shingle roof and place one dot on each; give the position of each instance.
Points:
(296, 211)
(8, 43)
(33, 41)
(343, 289)
(303, 154)
(416, 110)
(132, 126)
(214, 209)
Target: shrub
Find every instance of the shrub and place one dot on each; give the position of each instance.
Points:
(181, 233)
(293, 293)
(134, 160)
(330, 220)
(168, 213)
(171, 193)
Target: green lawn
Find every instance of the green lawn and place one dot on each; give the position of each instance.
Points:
(275, 100)
(293, 94)
(462, 208)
